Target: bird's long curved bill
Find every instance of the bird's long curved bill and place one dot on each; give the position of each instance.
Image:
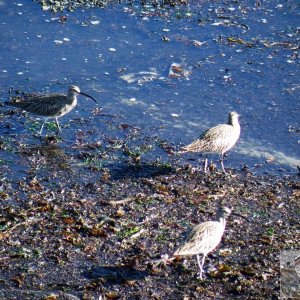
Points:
(84, 94)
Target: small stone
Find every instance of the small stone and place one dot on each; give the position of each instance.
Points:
(95, 22)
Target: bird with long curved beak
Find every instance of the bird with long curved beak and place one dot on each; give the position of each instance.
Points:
(218, 139)
(51, 105)
(204, 238)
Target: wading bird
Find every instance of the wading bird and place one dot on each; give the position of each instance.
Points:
(51, 105)
(204, 238)
(218, 139)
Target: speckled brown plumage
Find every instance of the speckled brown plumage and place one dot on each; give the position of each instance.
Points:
(218, 139)
(204, 238)
(51, 105)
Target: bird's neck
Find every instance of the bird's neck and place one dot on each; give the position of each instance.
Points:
(222, 221)
(234, 122)
(72, 99)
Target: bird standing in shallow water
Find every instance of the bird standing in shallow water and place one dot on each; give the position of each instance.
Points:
(51, 105)
(218, 139)
(204, 238)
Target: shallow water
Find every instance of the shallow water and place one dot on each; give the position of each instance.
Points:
(235, 57)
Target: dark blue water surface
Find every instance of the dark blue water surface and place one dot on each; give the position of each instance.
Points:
(235, 56)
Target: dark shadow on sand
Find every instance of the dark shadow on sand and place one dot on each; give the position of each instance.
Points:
(115, 275)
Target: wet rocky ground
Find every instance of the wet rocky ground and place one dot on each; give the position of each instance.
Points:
(88, 220)
(87, 214)
(60, 5)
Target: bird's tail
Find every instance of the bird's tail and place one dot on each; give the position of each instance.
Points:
(13, 103)
(195, 146)
(182, 150)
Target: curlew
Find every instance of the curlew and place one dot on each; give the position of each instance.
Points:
(218, 139)
(51, 105)
(204, 238)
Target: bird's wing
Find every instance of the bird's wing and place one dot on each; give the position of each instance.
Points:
(215, 139)
(42, 105)
(203, 239)
(222, 137)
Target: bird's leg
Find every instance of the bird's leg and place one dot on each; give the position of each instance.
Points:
(222, 164)
(200, 264)
(57, 124)
(205, 164)
(41, 130)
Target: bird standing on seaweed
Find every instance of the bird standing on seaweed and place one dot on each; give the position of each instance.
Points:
(218, 139)
(51, 105)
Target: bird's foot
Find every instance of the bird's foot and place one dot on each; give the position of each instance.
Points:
(200, 276)
(162, 261)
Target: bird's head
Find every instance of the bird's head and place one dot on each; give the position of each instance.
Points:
(233, 118)
(233, 114)
(73, 89)
(225, 211)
